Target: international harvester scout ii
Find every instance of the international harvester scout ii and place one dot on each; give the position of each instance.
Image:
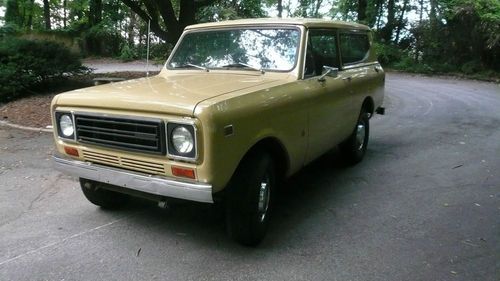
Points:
(238, 107)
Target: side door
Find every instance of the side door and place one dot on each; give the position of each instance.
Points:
(330, 113)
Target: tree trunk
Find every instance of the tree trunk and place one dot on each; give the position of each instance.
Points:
(65, 16)
(46, 14)
(433, 14)
(95, 12)
(421, 3)
(12, 12)
(317, 7)
(173, 25)
(380, 10)
(94, 42)
(29, 24)
(362, 5)
(388, 29)
(187, 14)
(130, 29)
(303, 8)
(400, 21)
(280, 8)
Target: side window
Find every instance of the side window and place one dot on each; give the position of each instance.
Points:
(321, 51)
(354, 47)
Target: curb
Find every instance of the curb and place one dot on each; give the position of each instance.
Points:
(32, 129)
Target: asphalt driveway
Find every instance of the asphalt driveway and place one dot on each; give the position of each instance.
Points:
(423, 205)
(105, 66)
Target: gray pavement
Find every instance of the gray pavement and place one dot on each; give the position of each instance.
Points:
(106, 66)
(423, 205)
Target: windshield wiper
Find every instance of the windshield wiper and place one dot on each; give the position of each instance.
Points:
(193, 65)
(242, 64)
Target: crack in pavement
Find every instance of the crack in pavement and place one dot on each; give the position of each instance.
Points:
(38, 250)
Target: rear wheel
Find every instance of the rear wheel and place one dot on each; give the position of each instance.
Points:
(354, 148)
(249, 199)
(99, 196)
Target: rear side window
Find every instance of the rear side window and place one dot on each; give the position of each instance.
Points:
(354, 47)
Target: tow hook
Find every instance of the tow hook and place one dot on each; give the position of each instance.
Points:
(163, 204)
(380, 110)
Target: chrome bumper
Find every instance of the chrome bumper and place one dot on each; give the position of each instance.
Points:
(150, 184)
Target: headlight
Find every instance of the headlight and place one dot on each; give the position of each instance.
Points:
(183, 140)
(65, 124)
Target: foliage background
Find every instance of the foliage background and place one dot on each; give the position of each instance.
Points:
(430, 36)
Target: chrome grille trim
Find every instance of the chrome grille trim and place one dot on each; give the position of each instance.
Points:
(124, 162)
(135, 134)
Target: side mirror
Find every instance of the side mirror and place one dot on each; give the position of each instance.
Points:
(328, 71)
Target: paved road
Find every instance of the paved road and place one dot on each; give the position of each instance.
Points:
(423, 205)
(105, 66)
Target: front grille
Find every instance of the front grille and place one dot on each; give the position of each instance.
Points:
(102, 158)
(142, 135)
(155, 168)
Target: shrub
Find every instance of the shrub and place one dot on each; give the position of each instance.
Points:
(472, 67)
(127, 53)
(410, 65)
(100, 40)
(8, 30)
(387, 54)
(24, 63)
(160, 51)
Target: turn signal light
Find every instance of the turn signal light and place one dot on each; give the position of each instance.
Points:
(71, 151)
(183, 172)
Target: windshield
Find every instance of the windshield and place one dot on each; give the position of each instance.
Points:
(259, 49)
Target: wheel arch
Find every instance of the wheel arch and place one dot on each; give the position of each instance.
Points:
(369, 105)
(276, 149)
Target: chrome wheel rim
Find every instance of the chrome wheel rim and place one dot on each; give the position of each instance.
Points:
(264, 196)
(360, 135)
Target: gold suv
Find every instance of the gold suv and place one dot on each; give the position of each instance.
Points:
(239, 106)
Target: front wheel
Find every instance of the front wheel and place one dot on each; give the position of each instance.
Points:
(249, 199)
(354, 148)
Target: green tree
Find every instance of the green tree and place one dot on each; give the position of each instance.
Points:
(12, 15)
(46, 14)
(168, 19)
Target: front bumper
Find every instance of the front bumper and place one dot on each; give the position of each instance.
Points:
(198, 192)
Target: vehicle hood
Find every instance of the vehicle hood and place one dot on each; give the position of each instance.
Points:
(171, 94)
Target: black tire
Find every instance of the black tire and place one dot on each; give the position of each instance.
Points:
(99, 196)
(249, 199)
(354, 148)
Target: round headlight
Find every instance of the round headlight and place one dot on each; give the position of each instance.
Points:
(182, 139)
(66, 125)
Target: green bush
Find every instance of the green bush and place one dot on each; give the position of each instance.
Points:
(408, 64)
(8, 30)
(100, 40)
(160, 51)
(472, 67)
(25, 63)
(127, 53)
(387, 54)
